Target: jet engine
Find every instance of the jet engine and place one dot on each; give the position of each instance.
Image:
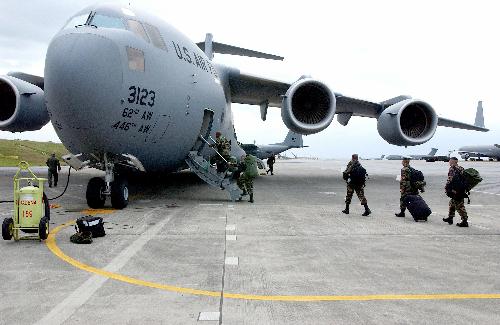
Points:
(407, 123)
(308, 106)
(22, 105)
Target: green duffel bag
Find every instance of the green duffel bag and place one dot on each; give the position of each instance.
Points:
(472, 178)
(251, 166)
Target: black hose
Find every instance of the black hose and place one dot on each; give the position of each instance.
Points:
(65, 188)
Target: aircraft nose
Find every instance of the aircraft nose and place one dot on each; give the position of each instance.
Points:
(83, 79)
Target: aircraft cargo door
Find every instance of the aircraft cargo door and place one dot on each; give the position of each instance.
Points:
(206, 127)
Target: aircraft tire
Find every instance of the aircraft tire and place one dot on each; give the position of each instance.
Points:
(95, 188)
(43, 228)
(119, 193)
(7, 228)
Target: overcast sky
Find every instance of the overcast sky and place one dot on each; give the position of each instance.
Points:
(442, 52)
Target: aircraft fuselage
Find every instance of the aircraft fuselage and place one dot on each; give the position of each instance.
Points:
(111, 90)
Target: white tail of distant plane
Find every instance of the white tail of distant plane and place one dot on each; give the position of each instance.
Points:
(479, 115)
(293, 140)
(432, 152)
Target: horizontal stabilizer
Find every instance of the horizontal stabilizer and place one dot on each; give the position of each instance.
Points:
(233, 50)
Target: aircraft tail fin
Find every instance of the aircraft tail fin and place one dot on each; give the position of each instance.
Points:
(479, 115)
(210, 47)
(432, 152)
(293, 140)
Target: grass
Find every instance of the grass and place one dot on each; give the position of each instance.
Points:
(35, 153)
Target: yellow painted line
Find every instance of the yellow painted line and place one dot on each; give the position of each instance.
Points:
(94, 212)
(52, 245)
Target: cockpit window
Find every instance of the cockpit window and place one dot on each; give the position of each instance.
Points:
(100, 20)
(136, 27)
(77, 21)
(155, 36)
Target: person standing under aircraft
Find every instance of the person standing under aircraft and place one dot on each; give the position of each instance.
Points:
(248, 167)
(405, 186)
(456, 202)
(54, 168)
(270, 162)
(355, 176)
(223, 147)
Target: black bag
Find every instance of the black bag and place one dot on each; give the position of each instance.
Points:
(457, 187)
(417, 180)
(358, 176)
(417, 207)
(93, 224)
(416, 175)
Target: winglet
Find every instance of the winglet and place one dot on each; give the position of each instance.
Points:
(479, 115)
(210, 47)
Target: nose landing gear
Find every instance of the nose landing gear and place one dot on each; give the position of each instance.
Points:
(112, 185)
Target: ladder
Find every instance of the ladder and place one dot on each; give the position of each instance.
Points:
(201, 167)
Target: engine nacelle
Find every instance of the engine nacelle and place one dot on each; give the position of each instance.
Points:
(408, 123)
(22, 106)
(308, 106)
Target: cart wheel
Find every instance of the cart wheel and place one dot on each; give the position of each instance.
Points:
(7, 228)
(95, 196)
(43, 228)
(46, 206)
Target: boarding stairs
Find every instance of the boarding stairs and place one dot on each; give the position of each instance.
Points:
(201, 167)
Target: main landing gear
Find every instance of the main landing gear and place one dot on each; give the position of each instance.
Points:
(112, 185)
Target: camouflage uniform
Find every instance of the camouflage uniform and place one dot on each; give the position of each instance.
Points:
(405, 186)
(245, 181)
(54, 167)
(223, 147)
(360, 192)
(456, 204)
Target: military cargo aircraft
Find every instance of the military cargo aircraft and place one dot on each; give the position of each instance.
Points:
(480, 151)
(292, 140)
(123, 89)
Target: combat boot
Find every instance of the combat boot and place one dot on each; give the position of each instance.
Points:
(449, 220)
(401, 214)
(463, 223)
(346, 211)
(251, 198)
(367, 210)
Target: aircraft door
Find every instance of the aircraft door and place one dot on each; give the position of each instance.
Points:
(206, 127)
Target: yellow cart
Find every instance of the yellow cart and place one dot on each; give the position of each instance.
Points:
(31, 207)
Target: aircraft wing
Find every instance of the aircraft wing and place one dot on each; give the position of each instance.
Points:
(459, 125)
(255, 90)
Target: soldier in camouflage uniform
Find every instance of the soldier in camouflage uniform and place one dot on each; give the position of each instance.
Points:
(223, 147)
(54, 168)
(351, 188)
(456, 204)
(245, 181)
(406, 187)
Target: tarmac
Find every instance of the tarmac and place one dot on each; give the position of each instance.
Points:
(183, 253)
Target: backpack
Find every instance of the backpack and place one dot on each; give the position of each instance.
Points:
(251, 166)
(472, 178)
(358, 175)
(81, 238)
(91, 224)
(417, 179)
(461, 184)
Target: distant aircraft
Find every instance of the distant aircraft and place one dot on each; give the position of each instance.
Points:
(123, 89)
(414, 157)
(480, 151)
(292, 140)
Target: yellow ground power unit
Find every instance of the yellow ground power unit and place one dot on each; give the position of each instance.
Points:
(31, 207)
